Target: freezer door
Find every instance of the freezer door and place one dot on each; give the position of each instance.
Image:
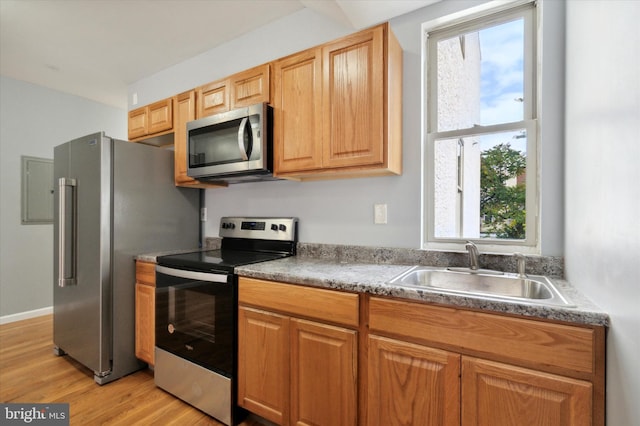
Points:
(82, 247)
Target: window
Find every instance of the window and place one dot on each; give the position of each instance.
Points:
(481, 146)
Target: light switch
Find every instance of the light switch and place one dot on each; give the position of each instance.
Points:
(380, 214)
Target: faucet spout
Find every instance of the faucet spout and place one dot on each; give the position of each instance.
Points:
(472, 249)
(521, 264)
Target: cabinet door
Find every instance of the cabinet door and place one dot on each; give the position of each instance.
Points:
(185, 112)
(353, 100)
(496, 394)
(250, 87)
(297, 101)
(145, 322)
(160, 116)
(212, 98)
(323, 374)
(411, 384)
(137, 123)
(263, 364)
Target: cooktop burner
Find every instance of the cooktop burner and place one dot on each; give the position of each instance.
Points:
(217, 259)
(245, 241)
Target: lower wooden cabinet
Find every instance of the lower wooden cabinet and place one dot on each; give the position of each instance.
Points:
(263, 363)
(496, 394)
(412, 384)
(531, 372)
(310, 356)
(292, 370)
(324, 372)
(145, 314)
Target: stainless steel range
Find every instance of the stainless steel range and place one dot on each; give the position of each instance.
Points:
(197, 307)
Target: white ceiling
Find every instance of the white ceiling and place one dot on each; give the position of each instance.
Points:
(96, 48)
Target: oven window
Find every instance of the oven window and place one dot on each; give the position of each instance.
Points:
(192, 312)
(196, 320)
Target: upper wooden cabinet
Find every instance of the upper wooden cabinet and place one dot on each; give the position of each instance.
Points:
(250, 87)
(212, 98)
(338, 108)
(297, 102)
(151, 120)
(239, 90)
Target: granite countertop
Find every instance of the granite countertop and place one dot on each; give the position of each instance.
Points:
(373, 278)
(369, 269)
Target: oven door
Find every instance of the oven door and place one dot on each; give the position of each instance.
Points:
(195, 317)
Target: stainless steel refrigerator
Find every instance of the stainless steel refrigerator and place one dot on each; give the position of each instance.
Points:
(114, 200)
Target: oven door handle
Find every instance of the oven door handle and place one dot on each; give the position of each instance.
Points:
(194, 275)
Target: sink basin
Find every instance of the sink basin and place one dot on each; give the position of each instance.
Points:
(534, 289)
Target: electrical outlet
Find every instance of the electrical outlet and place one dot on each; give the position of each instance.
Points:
(380, 214)
(203, 214)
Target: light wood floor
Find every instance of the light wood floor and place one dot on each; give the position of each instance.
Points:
(31, 373)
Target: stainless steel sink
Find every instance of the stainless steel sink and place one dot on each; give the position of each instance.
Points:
(534, 289)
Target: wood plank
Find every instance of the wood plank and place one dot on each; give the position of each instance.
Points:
(543, 345)
(31, 373)
(337, 307)
(146, 272)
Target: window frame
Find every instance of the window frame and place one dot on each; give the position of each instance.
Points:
(459, 24)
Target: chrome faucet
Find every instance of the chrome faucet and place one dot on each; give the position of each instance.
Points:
(472, 249)
(521, 264)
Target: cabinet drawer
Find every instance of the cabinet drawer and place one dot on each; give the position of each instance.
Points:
(146, 273)
(315, 303)
(520, 341)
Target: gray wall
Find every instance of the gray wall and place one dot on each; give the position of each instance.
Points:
(341, 211)
(33, 120)
(602, 177)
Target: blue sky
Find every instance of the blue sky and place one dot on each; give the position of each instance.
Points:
(501, 72)
(502, 65)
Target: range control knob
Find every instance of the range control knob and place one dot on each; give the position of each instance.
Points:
(282, 227)
(274, 227)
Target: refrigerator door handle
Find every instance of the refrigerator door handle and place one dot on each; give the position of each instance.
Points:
(66, 232)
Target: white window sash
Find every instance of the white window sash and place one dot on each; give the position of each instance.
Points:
(485, 17)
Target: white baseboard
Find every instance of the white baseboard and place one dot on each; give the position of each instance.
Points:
(6, 319)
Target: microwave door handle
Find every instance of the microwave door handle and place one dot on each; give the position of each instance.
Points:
(243, 151)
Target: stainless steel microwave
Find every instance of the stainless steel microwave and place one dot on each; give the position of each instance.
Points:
(234, 146)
